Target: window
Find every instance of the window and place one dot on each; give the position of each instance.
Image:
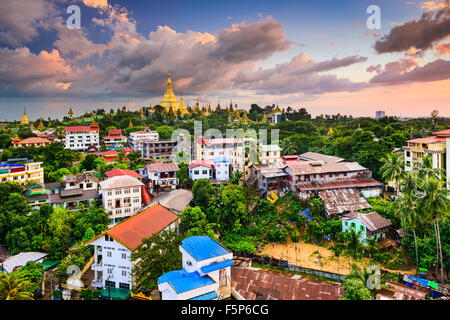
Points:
(136, 190)
(135, 200)
(109, 254)
(196, 172)
(127, 190)
(118, 191)
(124, 273)
(111, 284)
(205, 172)
(110, 270)
(189, 263)
(109, 193)
(124, 255)
(124, 286)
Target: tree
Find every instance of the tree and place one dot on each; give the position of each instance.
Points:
(202, 192)
(393, 169)
(236, 177)
(183, 176)
(353, 242)
(435, 203)
(34, 273)
(156, 256)
(194, 223)
(5, 141)
(354, 289)
(366, 274)
(14, 287)
(88, 163)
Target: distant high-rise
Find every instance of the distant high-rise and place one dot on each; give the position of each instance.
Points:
(380, 114)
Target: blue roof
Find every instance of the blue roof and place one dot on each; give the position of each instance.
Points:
(217, 266)
(220, 159)
(207, 296)
(182, 281)
(203, 248)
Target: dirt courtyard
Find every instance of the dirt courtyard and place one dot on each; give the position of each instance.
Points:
(305, 255)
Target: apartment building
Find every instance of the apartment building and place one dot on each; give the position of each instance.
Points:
(162, 150)
(436, 146)
(161, 175)
(75, 190)
(121, 197)
(21, 170)
(135, 139)
(269, 153)
(201, 169)
(82, 138)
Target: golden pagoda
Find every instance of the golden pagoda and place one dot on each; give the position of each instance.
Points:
(16, 139)
(24, 118)
(218, 108)
(277, 110)
(32, 126)
(70, 113)
(264, 119)
(93, 124)
(197, 108)
(182, 106)
(130, 125)
(169, 100)
(330, 132)
(41, 125)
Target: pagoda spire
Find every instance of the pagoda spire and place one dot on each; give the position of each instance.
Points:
(70, 113)
(24, 118)
(41, 125)
(130, 125)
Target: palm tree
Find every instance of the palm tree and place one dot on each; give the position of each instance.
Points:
(366, 275)
(406, 208)
(288, 147)
(393, 169)
(435, 202)
(236, 177)
(409, 183)
(12, 287)
(426, 170)
(372, 246)
(353, 243)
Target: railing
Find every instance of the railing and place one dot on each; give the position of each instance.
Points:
(284, 264)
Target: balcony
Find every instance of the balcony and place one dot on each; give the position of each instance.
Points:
(98, 266)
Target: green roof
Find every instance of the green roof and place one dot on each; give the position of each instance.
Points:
(115, 293)
(47, 264)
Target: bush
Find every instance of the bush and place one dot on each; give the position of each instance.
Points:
(277, 235)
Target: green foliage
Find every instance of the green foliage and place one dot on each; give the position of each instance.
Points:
(155, 257)
(194, 223)
(90, 294)
(34, 273)
(202, 192)
(354, 289)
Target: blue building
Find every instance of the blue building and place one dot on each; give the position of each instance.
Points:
(205, 273)
(371, 225)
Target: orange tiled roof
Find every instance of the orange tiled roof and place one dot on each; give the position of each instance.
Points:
(132, 231)
(34, 140)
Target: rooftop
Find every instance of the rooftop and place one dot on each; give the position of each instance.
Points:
(132, 231)
(339, 184)
(34, 140)
(175, 200)
(373, 221)
(21, 259)
(314, 156)
(338, 201)
(122, 172)
(300, 167)
(182, 281)
(82, 128)
(431, 139)
(201, 163)
(120, 182)
(203, 248)
(161, 167)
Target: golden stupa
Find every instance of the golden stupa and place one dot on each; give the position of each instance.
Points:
(130, 125)
(169, 100)
(24, 118)
(277, 110)
(70, 113)
(41, 125)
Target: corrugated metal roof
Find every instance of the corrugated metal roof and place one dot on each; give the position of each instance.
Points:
(203, 248)
(217, 266)
(21, 259)
(323, 157)
(338, 201)
(307, 167)
(338, 184)
(181, 281)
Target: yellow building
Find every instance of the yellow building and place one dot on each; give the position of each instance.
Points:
(22, 173)
(170, 101)
(437, 146)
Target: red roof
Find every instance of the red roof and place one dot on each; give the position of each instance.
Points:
(109, 153)
(113, 137)
(161, 167)
(443, 132)
(122, 172)
(132, 231)
(427, 140)
(127, 150)
(82, 128)
(115, 132)
(34, 140)
(203, 163)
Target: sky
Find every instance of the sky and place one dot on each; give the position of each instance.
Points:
(320, 55)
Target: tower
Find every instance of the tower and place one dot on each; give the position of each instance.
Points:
(24, 120)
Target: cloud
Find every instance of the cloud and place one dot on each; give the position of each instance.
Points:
(20, 20)
(403, 71)
(442, 49)
(432, 27)
(254, 41)
(96, 3)
(429, 5)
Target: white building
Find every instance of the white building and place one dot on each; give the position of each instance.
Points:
(222, 168)
(121, 196)
(269, 153)
(201, 169)
(135, 138)
(82, 137)
(161, 175)
(112, 249)
(205, 273)
(114, 137)
(162, 150)
(21, 170)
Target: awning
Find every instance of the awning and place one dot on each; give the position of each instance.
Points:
(115, 293)
(217, 266)
(207, 296)
(48, 264)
